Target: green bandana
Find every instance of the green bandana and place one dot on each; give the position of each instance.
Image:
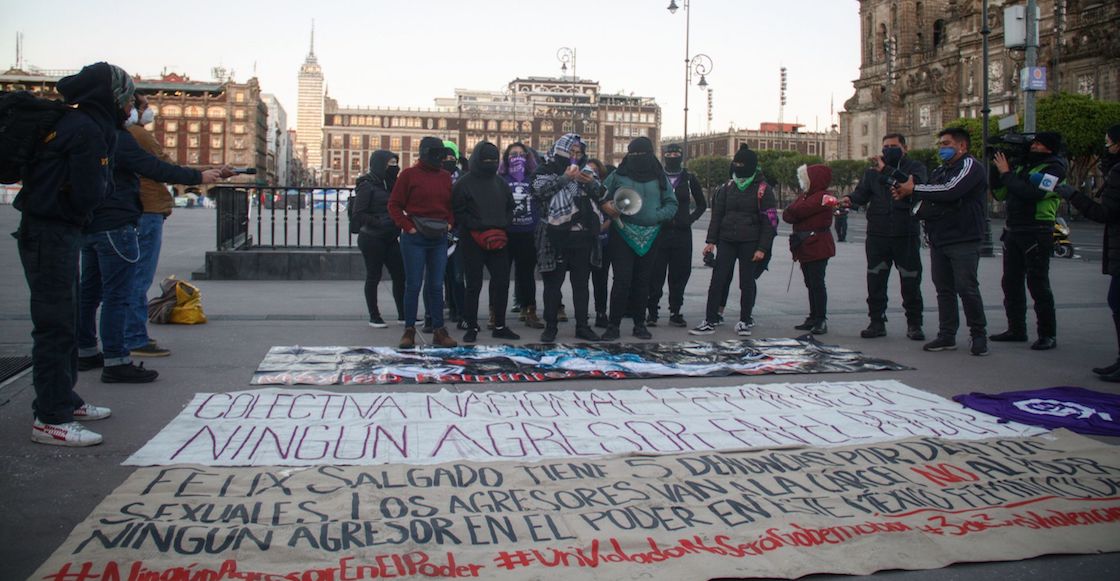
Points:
(744, 183)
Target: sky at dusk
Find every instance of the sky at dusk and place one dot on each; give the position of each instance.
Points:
(380, 53)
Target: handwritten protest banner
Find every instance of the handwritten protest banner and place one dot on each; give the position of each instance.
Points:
(305, 427)
(911, 504)
(295, 365)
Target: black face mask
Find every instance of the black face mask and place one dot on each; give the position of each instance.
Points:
(892, 155)
(673, 164)
(1107, 160)
(450, 165)
(391, 173)
(488, 167)
(1036, 157)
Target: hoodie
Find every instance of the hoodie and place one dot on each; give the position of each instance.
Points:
(809, 214)
(371, 197)
(74, 174)
(481, 199)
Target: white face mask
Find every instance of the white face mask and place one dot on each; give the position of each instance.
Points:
(148, 116)
(133, 117)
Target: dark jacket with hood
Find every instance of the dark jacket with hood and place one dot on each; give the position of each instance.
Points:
(809, 215)
(122, 206)
(1107, 212)
(742, 215)
(688, 190)
(885, 215)
(1030, 209)
(371, 198)
(482, 200)
(74, 173)
(960, 185)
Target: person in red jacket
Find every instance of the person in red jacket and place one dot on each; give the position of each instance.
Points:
(811, 241)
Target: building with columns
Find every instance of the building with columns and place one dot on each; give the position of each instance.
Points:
(921, 64)
(773, 136)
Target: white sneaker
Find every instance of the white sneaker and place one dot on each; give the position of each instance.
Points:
(69, 434)
(89, 413)
(743, 329)
(704, 328)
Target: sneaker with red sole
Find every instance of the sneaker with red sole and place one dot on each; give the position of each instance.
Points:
(90, 413)
(70, 434)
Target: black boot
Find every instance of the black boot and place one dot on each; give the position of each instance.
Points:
(1107, 370)
(820, 328)
(807, 325)
(549, 334)
(876, 329)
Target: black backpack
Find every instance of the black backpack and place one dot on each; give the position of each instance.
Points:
(26, 124)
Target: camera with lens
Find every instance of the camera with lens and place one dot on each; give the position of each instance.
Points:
(1015, 146)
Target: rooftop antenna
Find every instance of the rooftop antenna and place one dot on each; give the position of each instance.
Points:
(19, 50)
(782, 103)
(312, 53)
(709, 109)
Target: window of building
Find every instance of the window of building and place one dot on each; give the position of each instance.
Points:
(863, 129)
(240, 158)
(442, 124)
(193, 141)
(355, 142)
(336, 142)
(170, 140)
(938, 33)
(239, 143)
(239, 97)
(193, 156)
(812, 149)
(216, 157)
(620, 147)
(239, 128)
(336, 163)
(475, 125)
(216, 142)
(216, 127)
(216, 112)
(567, 126)
(172, 111)
(526, 127)
(1086, 85)
(395, 143)
(193, 111)
(546, 126)
(863, 150)
(170, 125)
(924, 114)
(355, 163)
(194, 127)
(238, 113)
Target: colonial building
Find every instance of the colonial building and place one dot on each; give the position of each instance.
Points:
(922, 64)
(198, 123)
(535, 111)
(775, 136)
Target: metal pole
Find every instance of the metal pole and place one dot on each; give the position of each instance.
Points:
(1032, 62)
(687, 72)
(887, 50)
(986, 247)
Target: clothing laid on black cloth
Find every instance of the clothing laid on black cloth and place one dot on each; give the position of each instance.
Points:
(893, 238)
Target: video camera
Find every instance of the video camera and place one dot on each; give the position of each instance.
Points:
(1015, 146)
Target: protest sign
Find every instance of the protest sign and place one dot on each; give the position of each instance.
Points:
(534, 363)
(911, 504)
(307, 427)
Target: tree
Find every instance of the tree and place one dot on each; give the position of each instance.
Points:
(975, 127)
(846, 172)
(927, 157)
(711, 170)
(1082, 122)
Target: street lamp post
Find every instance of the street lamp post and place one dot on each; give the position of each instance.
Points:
(986, 246)
(566, 55)
(701, 63)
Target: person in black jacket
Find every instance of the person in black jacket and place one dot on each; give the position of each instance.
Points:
(60, 190)
(674, 244)
(378, 235)
(954, 219)
(1107, 212)
(742, 227)
(893, 237)
(483, 206)
(110, 252)
(1028, 238)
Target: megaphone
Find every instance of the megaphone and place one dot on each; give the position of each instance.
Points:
(628, 201)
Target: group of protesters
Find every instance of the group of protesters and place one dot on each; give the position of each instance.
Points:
(93, 204)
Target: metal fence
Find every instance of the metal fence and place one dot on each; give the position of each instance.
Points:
(279, 217)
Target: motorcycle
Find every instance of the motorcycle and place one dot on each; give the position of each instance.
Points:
(1063, 247)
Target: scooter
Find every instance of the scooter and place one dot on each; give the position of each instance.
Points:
(1063, 247)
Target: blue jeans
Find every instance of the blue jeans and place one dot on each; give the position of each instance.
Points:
(150, 236)
(424, 262)
(109, 261)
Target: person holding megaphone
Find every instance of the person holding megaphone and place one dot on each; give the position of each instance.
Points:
(639, 199)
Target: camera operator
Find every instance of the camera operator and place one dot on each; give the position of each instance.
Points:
(893, 237)
(1028, 238)
(1107, 212)
(954, 217)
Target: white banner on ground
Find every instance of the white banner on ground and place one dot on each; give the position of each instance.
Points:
(306, 427)
(918, 503)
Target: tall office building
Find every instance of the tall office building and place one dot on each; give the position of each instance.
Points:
(309, 113)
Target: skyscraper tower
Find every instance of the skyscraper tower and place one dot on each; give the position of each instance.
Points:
(309, 111)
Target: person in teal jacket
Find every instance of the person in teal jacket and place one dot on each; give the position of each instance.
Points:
(633, 236)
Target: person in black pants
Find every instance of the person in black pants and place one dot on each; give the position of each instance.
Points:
(517, 168)
(378, 236)
(1107, 212)
(893, 237)
(742, 228)
(483, 206)
(600, 275)
(1028, 237)
(674, 246)
(840, 219)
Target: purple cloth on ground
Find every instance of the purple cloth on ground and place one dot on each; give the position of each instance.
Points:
(1075, 408)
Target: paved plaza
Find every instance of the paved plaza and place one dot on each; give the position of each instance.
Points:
(46, 491)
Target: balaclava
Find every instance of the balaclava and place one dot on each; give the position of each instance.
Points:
(673, 165)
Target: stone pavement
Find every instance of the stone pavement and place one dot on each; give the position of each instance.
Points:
(45, 491)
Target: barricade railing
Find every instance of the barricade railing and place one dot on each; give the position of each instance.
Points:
(289, 217)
